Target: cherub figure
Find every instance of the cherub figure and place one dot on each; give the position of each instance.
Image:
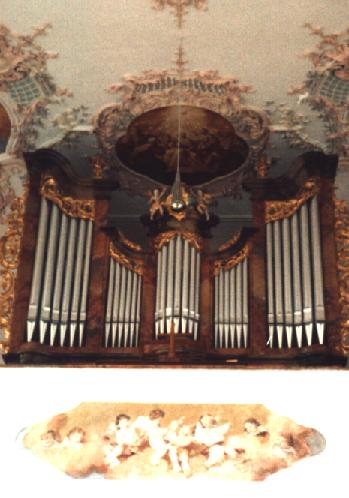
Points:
(178, 437)
(151, 430)
(210, 433)
(75, 438)
(202, 202)
(122, 439)
(49, 439)
(156, 203)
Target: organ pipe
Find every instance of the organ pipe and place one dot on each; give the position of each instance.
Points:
(295, 280)
(231, 306)
(38, 269)
(178, 268)
(60, 276)
(123, 305)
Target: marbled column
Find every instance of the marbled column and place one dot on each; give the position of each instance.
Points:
(329, 265)
(98, 285)
(147, 323)
(258, 326)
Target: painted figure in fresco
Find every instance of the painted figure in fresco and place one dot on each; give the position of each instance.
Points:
(253, 427)
(122, 439)
(151, 430)
(178, 437)
(211, 435)
(75, 438)
(282, 446)
(49, 439)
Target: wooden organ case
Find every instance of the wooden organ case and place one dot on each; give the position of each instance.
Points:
(86, 294)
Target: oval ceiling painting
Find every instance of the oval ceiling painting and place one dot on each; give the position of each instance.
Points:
(209, 147)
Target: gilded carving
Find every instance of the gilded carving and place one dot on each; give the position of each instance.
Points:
(165, 237)
(9, 257)
(179, 7)
(342, 243)
(230, 242)
(118, 256)
(278, 210)
(75, 208)
(128, 243)
(227, 264)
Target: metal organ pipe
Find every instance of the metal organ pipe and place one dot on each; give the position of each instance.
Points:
(231, 306)
(318, 276)
(295, 281)
(178, 288)
(122, 319)
(38, 270)
(60, 280)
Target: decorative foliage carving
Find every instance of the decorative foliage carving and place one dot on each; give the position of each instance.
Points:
(118, 256)
(179, 7)
(278, 210)
(24, 76)
(137, 95)
(76, 208)
(326, 89)
(9, 257)
(128, 243)
(165, 237)
(227, 264)
(230, 242)
(342, 243)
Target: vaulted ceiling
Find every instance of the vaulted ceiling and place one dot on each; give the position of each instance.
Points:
(259, 43)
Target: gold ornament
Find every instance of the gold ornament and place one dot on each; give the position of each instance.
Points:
(230, 242)
(278, 210)
(165, 237)
(227, 264)
(118, 256)
(342, 244)
(10, 245)
(76, 208)
(128, 243)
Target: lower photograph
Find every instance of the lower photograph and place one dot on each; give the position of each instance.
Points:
(168, 431)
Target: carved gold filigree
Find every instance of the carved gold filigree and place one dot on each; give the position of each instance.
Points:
(227, 264)
(278, 210)
(342, 244)
(230, 242)
(165, 237)
(9, 258)
(76, 208)
(180, 7)
(128, 243)
(118, 256)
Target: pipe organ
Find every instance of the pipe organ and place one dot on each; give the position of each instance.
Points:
(177, 286)
(58, 298)
(269, 294)
(122, 319)
(296, 312)
(231, 305)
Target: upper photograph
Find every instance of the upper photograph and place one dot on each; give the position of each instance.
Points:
(174, 183)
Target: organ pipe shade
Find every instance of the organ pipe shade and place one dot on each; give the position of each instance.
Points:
(122, 319)
(178, 288)
(296, 313)
(231, 307)
(58, 299)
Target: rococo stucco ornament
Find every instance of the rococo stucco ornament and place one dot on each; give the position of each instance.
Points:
(326, 89)
(209, 90)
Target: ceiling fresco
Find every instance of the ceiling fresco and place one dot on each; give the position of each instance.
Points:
(78, 85)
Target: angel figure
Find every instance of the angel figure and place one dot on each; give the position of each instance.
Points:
(202, 202)
(156, 204)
